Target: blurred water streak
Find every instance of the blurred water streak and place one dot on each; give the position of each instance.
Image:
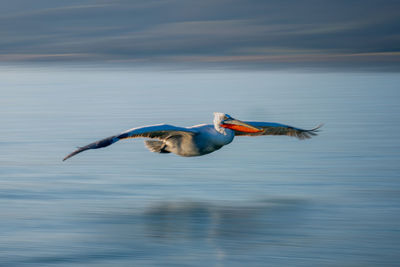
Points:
(332, 200)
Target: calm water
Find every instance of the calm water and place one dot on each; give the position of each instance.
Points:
(329, 201)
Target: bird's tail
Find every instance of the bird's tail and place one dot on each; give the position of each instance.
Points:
(156, 146)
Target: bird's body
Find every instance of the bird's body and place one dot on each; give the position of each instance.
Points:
(206, 141)
(199, 139)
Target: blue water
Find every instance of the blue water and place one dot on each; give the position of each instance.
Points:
(333, 200)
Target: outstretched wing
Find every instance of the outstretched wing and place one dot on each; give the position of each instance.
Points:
(161, 132)
(272, 128)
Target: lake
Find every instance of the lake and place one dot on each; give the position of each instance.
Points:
(333, 200)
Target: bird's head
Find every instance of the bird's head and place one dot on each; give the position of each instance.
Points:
(226, 121)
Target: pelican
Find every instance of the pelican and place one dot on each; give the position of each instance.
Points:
(200, 139)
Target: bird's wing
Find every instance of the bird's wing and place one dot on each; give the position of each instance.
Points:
(161, 132)
(272, 128)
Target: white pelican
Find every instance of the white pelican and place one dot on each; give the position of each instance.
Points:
(200, 139)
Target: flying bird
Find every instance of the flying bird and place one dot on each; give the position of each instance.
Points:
(200, 139)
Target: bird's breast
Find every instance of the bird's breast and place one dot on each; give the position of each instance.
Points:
(207, 140)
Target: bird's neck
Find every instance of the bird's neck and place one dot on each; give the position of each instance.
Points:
(222, 130)
(224, 136)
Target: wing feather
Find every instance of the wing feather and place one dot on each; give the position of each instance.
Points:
(160, 131)
(272, 128)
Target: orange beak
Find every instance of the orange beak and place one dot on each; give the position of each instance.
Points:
(241, 126)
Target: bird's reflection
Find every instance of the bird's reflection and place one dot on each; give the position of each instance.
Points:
(251, 220)
(219, 230)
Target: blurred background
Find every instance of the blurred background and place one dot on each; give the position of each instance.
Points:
(75, 72)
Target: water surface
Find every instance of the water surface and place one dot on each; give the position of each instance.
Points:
(329, 201)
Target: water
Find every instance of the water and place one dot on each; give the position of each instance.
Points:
(329, 201)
